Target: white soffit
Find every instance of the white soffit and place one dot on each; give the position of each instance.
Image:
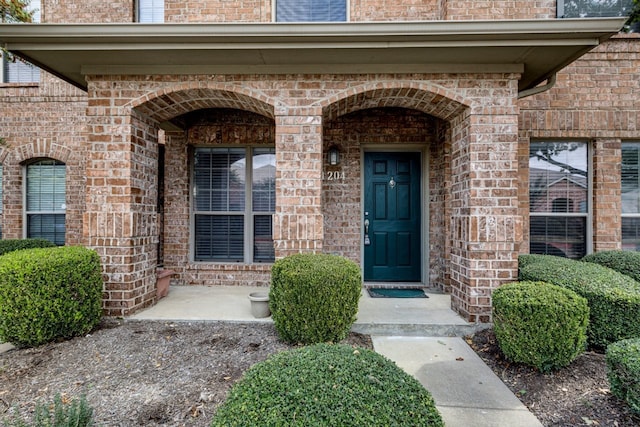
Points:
(535, 48)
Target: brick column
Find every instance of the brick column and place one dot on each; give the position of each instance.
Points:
(486, 226)
(607, 198)
(120, 217)
(298, 220)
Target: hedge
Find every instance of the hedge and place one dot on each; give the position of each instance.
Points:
(10, 245)
(614, 298)
(314, 297)
(625, 262)
(49, 294)
(623, 371)
(540, 324)
(327, 385)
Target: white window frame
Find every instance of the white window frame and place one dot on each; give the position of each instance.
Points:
(26, 211)
(248, 213)
(588, 215)
(274, 10)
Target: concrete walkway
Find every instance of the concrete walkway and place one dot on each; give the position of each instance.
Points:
(423, 336)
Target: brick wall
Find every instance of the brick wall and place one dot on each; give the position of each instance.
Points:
(499, 9)
(86, 11)
(217, 11)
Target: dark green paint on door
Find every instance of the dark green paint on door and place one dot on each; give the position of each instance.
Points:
(392, 207)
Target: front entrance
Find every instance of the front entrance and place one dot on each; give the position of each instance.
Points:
(392, 217)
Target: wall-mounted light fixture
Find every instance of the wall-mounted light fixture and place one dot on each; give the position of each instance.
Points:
(334, 156)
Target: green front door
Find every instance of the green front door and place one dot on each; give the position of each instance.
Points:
(392, 217)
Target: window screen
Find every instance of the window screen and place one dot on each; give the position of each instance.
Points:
(46, 200)
(593, 8)
(631, 196)
(558, 198)
(150, 11)
(233, 199)
(16, 71)
(311, 10)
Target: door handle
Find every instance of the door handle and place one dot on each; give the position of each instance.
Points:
(366, 226)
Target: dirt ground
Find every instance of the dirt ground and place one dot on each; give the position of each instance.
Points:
(176, 374)
(141, 373)
(577, 395)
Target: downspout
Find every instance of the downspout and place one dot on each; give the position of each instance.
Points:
(551, 81)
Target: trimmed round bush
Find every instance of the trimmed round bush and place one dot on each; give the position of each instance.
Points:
(314, 297)
(625, 262)
(49, 294)
(614, 298)
(623, 371)
(10, 245)
(539, 324)
(327, 385)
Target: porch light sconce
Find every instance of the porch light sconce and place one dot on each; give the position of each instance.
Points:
(334, 156)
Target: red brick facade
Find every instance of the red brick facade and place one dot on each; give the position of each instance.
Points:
(471, 130)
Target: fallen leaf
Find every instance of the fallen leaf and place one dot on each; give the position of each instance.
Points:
(459, 359)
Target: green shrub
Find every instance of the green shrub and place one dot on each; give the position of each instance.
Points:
(49, 294)
(625, 262)
(623, 371)
(75, 413)
(327, 385)
(10, 245)
(539, 324)
(314, 297)
(527, 259)
(614, 298)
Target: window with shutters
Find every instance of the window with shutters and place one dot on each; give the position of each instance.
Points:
(16, 71)
(45, 200)
(233, 204)
(150, 11)
(630, 183)
(559, 198)
(311, 10)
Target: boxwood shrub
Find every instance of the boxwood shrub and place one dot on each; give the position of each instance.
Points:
(625, 262)
(614, 298)
(10, 245)
(327, 385)
(539, 324)
(48, 294)
(623, 371)
(314, 297)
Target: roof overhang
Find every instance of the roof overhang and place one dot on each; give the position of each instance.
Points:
(535, 48)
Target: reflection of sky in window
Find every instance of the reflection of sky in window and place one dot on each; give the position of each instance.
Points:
(576, 159)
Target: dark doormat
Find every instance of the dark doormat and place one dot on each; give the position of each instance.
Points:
(397, 293)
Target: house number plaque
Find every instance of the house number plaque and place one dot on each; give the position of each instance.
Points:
(333, 176)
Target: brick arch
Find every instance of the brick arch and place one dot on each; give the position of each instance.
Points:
(42, 149)
(428, 98)
(170, 102)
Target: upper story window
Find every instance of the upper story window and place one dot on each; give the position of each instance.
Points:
(45, 200)
(16, 71)
(233, 204)
(631, 196)
(150, 11)
(593, 8)
(311, 10)
(558, 198)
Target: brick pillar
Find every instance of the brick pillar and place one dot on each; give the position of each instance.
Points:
(298, 220)
(607, 198)
(120, 217)
(486, 228)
